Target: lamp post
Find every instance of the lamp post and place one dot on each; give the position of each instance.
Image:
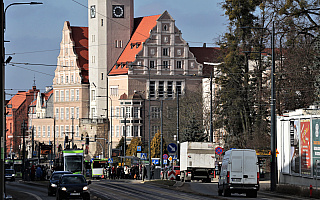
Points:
(2, 94)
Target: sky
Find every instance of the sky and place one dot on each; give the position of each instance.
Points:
(33, 32)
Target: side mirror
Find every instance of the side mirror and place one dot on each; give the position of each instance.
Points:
(89, 182)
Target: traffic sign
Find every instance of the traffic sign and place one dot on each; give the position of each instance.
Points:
(110, 160)
(174, 157)
(165, 162)
(172, 175)
(170, 158)
(172, 148)
(219, 150)
(165, 156)
(143, 156)
(155, 161)
(138, 148)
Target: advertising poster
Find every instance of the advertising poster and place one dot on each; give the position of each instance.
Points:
(305, 147)
(294, 154)
(316, 145)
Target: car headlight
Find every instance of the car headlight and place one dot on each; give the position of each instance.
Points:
(53, 185)
(64, 189)
(13, 175)
(85, 188)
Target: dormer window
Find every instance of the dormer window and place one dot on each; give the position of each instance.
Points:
(165, 27)
(132, 45)
(138, 44)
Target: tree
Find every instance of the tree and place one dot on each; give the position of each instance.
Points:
(121, 145)
(156, 146)
(132, 148)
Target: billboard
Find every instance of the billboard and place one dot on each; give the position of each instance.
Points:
(305, 143)
(316, 144)
(294, 141)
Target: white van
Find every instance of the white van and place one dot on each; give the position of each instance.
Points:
(239, 173)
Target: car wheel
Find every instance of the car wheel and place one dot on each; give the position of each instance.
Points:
(219, 192)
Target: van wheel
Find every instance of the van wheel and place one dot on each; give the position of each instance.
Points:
(219, 192)
(252, 194)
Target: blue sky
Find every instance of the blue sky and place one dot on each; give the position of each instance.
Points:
(34, 32)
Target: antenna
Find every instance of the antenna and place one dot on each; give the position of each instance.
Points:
(34, 80)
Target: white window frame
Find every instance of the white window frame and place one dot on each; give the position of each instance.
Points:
(61, 113)
(48, 131)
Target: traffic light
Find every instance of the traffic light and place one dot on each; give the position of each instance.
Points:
(66, 139)
(87, 140)
(95, 138)
(81, 136)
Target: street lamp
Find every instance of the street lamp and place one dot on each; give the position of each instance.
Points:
(2, 94)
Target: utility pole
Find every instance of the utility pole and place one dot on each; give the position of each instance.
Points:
(161, 133)
(178, 149)
(72, 132)
(54, 141)
(32, 140)
(125, 135)
(211, 125)
(23, 150)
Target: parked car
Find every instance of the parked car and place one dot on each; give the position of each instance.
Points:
(73, 186)
(9, 174)
(53, 181)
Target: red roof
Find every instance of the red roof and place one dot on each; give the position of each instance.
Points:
(140, 35)
(80, 38)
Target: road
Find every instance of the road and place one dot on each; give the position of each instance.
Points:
(124, 189)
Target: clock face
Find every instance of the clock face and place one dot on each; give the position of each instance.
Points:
(93, 11)
(118, 11)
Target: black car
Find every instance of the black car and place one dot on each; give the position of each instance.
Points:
(53, 181)
(9, 174)
(73, 186)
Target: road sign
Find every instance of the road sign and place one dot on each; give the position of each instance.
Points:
(172, 148)
(110, 160)
(171, 175)
(165, 156)
(219, 150)
(143, 156)
(155, 161)
(165, 162)
(174, 157)
(170, 158)
(138, 148)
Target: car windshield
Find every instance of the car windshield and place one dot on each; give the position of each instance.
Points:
(73, 180)
(56, 176)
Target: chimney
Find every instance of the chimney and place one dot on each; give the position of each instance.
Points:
(204, 45)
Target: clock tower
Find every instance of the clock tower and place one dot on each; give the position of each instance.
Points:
(110, 27)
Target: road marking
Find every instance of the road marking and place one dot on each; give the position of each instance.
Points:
(36, 196)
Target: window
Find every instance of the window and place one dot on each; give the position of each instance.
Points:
(102, 76)
(77, 95)
(57, 131)
(126, 131)
(77, 113)
(120, 43)
(43, 131)
(165, 52)
(135, 131)
(67, 130)
(93, 112)
(117, 112)
(165, 64)
(57, 95)
(114, 90)
(152, 89)
(155, 112)
(67, 95)
(72, 95)
(61, 113)
(117, 131)
(116, 44)
(128, 112)
(166, 39)
(165, 27)
(93, 38)
(61, 79)
(72, 77)
(152, 52)
(161, 89)
(192, 64)
(154, 130)
(72, 112)
(170, 89)
(93, 59)
(67, 113)
(61, 95)
(136, 112)
(48, 128)
(61, 130)
(152, 65)
(77, 131)
(179, 64)
(39, 131)
(101, 22)
(93, 95)
(179, 52)
(67, 78)
(57, 113)
(179, 87)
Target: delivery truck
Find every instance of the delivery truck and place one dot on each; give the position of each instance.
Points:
(239, 173)
(197, 161)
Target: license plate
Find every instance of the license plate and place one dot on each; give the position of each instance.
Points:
(236, 179)
(74, 194)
